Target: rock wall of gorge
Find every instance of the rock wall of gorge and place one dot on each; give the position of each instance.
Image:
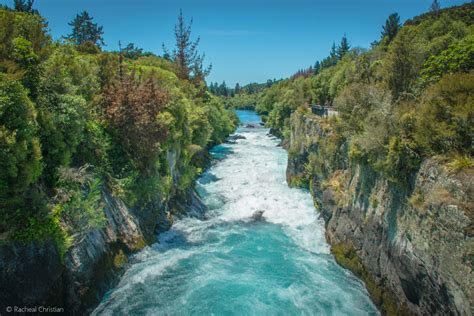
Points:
(411, 244)
(36, 274)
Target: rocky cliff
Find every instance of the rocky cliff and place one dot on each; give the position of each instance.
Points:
(411, 243)
(37, 274)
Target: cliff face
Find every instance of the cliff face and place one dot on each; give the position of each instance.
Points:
(36, 274)
(412, 245)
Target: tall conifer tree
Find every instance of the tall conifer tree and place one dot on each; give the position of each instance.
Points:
(85, 30)
(391, 27)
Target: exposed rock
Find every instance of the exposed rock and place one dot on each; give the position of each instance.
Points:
(35, 274)
(275, 132)
(410, 246)
(258, 215)
(29, 274)
(252, 125)
(208, 177)
(90, 264)
(233, 138)
(284, 143)
(188, 203)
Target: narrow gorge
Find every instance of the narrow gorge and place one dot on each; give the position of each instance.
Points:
(259, 248)
(326, 180)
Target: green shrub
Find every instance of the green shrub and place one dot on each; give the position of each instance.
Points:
(20, 151)
(446, 116)
(458, 57)
(79, 200)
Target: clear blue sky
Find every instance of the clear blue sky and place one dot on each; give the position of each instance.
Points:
(245, 40)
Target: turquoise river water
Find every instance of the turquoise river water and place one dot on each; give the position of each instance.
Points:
(231, 264)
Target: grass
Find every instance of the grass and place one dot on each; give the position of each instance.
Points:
(459, 163)
(335, 183)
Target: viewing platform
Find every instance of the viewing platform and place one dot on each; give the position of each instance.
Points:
(324, 111)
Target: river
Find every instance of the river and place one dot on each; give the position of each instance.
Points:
(230, 263)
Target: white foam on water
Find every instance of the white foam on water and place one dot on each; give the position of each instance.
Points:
(251, 180)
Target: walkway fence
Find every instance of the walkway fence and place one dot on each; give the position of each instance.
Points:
(324, 111)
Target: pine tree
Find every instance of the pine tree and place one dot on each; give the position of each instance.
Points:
(317, 67)
(214, 88)
(333, 55)
(237, 88)
(391, 27)
(343, 47)
(223, 89)
(24, 6)
(185, 54)
(132, 52)
(435, 7)
(84, 30)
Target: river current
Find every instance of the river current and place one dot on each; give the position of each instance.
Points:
(233, 262)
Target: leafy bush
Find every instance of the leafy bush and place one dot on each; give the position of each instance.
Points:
(78, 200)
(131, 108)
(458, 57)
(446, 116)
(20, 151)
(62, 119)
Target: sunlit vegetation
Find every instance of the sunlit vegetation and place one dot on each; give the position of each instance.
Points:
(76, 120)
(407, 98)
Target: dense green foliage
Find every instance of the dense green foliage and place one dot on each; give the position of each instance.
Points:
(408, 98)
(76, 121)
(20, 148)
(391, 27)
(84, 30)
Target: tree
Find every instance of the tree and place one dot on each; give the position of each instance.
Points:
(237, 88)
(199, 71)
(84, 30)
(185, 54)
(343, 47)
(401, 64)
(20, 152)
(391, 27)
(211, 88)
(28, 62)
(458, 57)
(24, 6)
(333, 54)
(133, 110)
(132, 52)
(317, 67)
(435, 7)
(445, 122)
(223, 90)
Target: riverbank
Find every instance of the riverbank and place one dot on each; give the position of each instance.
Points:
(258, 249)
(408, 243)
